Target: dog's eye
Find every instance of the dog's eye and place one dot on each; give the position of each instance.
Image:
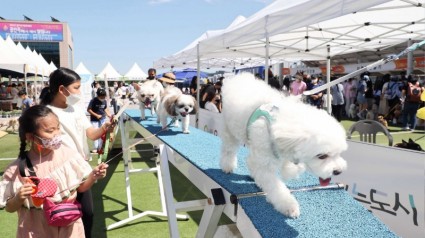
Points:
(151, 95)
(322, 156)
(142, 95)
(181, 106)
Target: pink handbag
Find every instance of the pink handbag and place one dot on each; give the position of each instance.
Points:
(61, 214)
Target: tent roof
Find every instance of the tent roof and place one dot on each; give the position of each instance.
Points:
(109, 72)
(82, 70)
(136, 72)
(303, 29)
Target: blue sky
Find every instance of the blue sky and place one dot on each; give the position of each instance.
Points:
(128, 31)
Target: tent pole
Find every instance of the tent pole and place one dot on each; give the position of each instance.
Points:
(328, 80)
(198, 84)
(409, 59)
(105, 79)
(266, 68)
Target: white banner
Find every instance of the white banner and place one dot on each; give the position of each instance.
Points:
(389, 182)
(386, 180)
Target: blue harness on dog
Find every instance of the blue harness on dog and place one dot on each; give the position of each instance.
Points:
(265, 111)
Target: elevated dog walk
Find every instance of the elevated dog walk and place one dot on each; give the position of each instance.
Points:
(324, 213)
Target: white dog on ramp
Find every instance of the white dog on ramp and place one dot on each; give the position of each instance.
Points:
(149, 95)
(178, 106)
(284, 136)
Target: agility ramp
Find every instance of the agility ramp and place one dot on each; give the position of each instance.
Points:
(324, 213)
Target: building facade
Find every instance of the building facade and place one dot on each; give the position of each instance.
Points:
(53, 40)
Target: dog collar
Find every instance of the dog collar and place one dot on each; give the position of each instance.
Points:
(264, 111)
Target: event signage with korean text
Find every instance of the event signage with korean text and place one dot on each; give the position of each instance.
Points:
(29, 31)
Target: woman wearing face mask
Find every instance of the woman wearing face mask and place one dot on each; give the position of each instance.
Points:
(40, 127)
(298, 86)
(62, 97)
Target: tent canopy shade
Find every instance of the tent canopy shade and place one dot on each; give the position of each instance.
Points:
(303, 30)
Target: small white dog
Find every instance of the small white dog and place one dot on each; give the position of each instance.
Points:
(352, 112)
(149, 96)
(176, 105)
(284, 136)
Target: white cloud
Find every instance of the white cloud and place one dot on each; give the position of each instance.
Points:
(153, 2)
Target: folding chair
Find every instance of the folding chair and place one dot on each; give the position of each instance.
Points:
(368, 130)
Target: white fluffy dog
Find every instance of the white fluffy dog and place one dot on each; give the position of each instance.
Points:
(284, 136)
(352, 112)
(149, 96)
(176, 105)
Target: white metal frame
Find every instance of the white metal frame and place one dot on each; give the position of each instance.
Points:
(126, 142)
(212, 212)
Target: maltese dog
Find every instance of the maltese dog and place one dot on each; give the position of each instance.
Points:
(149, 95)
(176, 105)
(284, 136)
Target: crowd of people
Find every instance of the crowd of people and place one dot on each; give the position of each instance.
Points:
(393, 97)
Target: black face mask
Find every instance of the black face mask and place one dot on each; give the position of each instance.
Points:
(151, 77)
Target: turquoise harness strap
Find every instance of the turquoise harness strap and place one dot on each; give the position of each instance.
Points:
(265, 111)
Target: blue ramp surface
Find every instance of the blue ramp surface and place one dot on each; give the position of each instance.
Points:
(324, 213)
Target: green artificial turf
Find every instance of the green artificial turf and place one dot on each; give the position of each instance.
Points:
(110, 199)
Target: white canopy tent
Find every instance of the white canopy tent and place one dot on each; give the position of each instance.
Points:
(86, 83)
(315, 30)
(109, 73)
(187, 57)
(136, 73)
(81, 69)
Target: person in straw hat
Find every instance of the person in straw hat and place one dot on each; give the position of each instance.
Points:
(168, 79)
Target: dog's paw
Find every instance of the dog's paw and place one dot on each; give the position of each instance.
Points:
(228, 166)
(289, 207)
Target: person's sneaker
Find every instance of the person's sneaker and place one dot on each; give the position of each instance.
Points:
(406, 128)
(94, 151)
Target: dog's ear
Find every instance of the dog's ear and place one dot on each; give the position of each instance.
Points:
(411, 141)
(170, 105)
(195, 106)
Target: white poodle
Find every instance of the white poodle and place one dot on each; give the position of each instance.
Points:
(284, 137)
(178, 106)
(149, 96)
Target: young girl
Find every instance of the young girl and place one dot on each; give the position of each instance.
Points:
(63, 97)
(40, 130)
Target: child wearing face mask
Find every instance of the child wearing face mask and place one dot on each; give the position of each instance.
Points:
(98, 111)
(62, 97)
(39, 131)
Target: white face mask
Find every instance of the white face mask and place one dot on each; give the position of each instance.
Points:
(73, 98)
(313, 81)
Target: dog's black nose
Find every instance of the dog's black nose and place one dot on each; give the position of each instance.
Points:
(336, 172)
(186, 109)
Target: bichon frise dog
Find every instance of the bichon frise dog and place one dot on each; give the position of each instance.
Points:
(178, 106)
(284, 136)
(149, 95)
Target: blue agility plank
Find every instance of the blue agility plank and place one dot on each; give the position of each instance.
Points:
(324, 213)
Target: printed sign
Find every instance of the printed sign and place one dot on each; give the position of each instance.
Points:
(28, 31)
